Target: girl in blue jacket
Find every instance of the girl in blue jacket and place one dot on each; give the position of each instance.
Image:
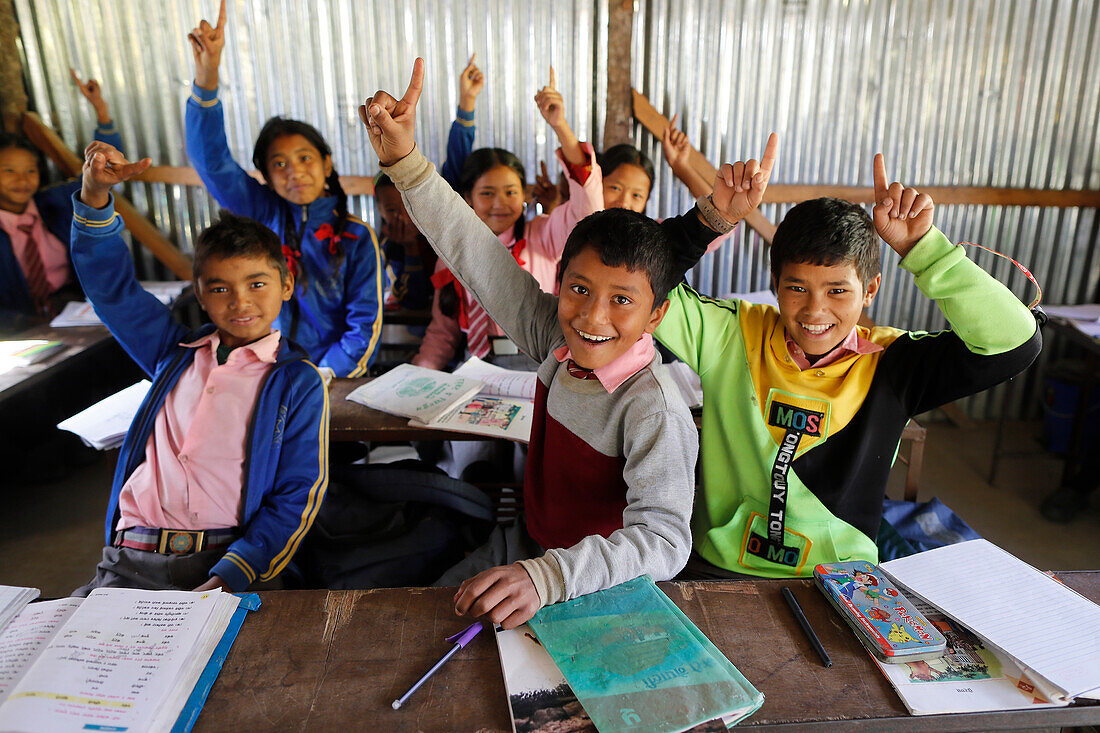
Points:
(335, 257)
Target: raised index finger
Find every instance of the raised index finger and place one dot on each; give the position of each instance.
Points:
(770, 152)
(416, 83)
(553, 78)
(221, 16)
(72, 73)
(880, 178)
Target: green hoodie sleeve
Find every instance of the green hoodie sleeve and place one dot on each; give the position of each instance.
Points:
(982, 312)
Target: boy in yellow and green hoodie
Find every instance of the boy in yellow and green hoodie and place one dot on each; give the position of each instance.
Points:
(803, 410)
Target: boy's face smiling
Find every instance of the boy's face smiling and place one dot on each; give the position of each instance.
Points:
(296, 169)
(242, 296)
(604, 310)
(819, 305)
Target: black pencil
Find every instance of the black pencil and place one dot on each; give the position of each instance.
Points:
(806, 628)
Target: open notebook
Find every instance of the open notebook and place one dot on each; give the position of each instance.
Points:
(1048, 628)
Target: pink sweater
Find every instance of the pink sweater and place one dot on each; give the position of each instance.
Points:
(546, 235)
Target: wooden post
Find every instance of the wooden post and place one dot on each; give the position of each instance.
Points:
(141, 228)
(620, 29)
(13, 95)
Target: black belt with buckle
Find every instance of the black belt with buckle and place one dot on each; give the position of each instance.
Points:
(175, 541)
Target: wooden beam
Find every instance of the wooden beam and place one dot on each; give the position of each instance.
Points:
(780, 193)
(13, 95)
(620, 29)
(140, 227)
(186, 176)
(656, 123)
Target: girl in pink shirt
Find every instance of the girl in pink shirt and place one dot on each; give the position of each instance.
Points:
(493, 183)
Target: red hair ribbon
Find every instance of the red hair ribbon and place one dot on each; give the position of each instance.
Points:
(293, 257)
(325, 231)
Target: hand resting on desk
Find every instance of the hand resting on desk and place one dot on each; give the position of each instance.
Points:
(504, 594)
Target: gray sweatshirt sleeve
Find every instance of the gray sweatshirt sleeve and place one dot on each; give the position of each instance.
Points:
(660, 449)
(509, 295)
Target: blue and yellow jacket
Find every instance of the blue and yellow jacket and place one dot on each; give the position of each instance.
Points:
(337, 315)
(55, 207)
(286, 459)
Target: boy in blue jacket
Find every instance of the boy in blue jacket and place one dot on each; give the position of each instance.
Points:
(226, 463)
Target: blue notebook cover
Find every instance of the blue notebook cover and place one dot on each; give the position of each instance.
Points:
(638, 664)
(193, 706)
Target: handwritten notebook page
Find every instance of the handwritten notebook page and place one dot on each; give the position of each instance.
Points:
(27, 634)
(113, 663)
(1046, 626)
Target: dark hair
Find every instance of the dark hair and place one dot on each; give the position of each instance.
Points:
(629, 239)
(12, 140)
(238, 236)
(382, 181)
(275, 128)
(483, 160)
(827, 231)
(625, 154)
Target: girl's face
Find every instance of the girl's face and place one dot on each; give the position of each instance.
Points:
(18, 179)
(626, 187)
(497, 198)
(296, 170)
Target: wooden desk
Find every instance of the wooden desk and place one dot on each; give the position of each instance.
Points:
(334, 660)
(352, 421)
(82, 342)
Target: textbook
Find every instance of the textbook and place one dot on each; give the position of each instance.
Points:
(119, 660)
(81, 313)
(539, 698)
(26, 352)
(970, 677)
(637, 663)
(104, 425)
(1045, 628)
(434, 399)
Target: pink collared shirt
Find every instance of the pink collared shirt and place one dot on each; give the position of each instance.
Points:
(194, 461)
(853, 343)
(625, 366)
(51, 250)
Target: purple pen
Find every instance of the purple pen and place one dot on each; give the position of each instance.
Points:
(459, 640)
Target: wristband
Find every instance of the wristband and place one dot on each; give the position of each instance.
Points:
(712, 216)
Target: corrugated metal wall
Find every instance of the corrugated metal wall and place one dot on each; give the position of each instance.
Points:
(983, 93)
(315, 61)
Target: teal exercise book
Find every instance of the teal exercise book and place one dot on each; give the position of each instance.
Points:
(637, 663)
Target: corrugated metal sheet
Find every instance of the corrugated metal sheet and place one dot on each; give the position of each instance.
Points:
(984, 93)
(314, 61)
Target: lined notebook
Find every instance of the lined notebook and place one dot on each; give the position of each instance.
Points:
(1049, 628)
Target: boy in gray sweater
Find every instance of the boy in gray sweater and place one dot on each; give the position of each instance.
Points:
(609, 481)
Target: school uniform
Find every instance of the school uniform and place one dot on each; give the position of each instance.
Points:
(48, 220)
(256, 482)
(335, 315)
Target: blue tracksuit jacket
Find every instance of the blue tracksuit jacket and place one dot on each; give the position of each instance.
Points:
(338, 320)
(286, 459)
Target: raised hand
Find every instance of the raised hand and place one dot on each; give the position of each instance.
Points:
(545, 191)
(901, 215)
(676, 146)
(92, 92)
(207, 43)
(104, 166)
(470, 83)
(550, 102)
(391, 122)
(739, 188)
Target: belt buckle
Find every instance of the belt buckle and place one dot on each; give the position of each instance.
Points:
(181, 541)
